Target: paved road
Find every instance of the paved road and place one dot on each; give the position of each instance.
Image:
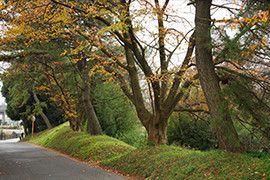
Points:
(21, 161)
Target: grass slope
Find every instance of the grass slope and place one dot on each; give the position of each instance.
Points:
(167, 162)
(81, 145)
(154, 162)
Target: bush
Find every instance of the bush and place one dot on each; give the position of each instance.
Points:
(260, 155)
(252, 139)
(184, 131)
(114, 111)
(136, 137)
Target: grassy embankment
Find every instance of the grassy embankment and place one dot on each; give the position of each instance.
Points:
(155, 162)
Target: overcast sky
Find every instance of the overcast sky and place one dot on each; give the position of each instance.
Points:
(2, 99)
(2, 67)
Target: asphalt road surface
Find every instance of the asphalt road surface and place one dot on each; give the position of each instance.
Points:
(21, 161)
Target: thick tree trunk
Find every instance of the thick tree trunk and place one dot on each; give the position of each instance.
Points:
(221, 119)
(157, 133)
(93, 126)
(44, 117)
(157, 130)
(155, 125)
(75, 125)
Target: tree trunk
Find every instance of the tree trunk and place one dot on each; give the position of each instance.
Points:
(221, 119)
(75, 125)
(44, 117)
(93, 126)
(157, 130)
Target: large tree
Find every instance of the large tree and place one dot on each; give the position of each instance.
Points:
(221, 119)
(165, 87)
(243, 65)
(234, 69)
(62, 74)
(21, 103)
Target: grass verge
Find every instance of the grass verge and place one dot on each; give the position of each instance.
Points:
(154, 162)
(167, 162)
(81, 145)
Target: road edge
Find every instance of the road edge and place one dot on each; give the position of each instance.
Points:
(95, 165)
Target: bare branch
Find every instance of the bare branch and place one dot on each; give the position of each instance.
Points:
(183, 109)
(123, 84)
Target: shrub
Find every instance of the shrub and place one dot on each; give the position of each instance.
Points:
(136, 137)
(184, 131)
(114, 111)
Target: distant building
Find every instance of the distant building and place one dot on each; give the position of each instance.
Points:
(4, 120)
(3, 108)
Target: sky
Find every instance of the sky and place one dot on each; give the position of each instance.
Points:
(2, 99)
(2, 68)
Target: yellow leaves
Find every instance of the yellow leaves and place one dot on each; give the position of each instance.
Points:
(66, 103)
(156, 77)
(91, 73)
(37, 21)
(261, 78)
(138, 27)
(72, 114)
(233, 27)
(255, 72)
(63, 53)
(101, 71)
(234, 23)
(254, 46)
(264, 16)
(120, 26)
(241, 8)
(42, 88)
(264, 19)
(53, 99)
(221, 26)
(263, 43)
(110, 79)
(261, 16)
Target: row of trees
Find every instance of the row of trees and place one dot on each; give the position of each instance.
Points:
(63, 45)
